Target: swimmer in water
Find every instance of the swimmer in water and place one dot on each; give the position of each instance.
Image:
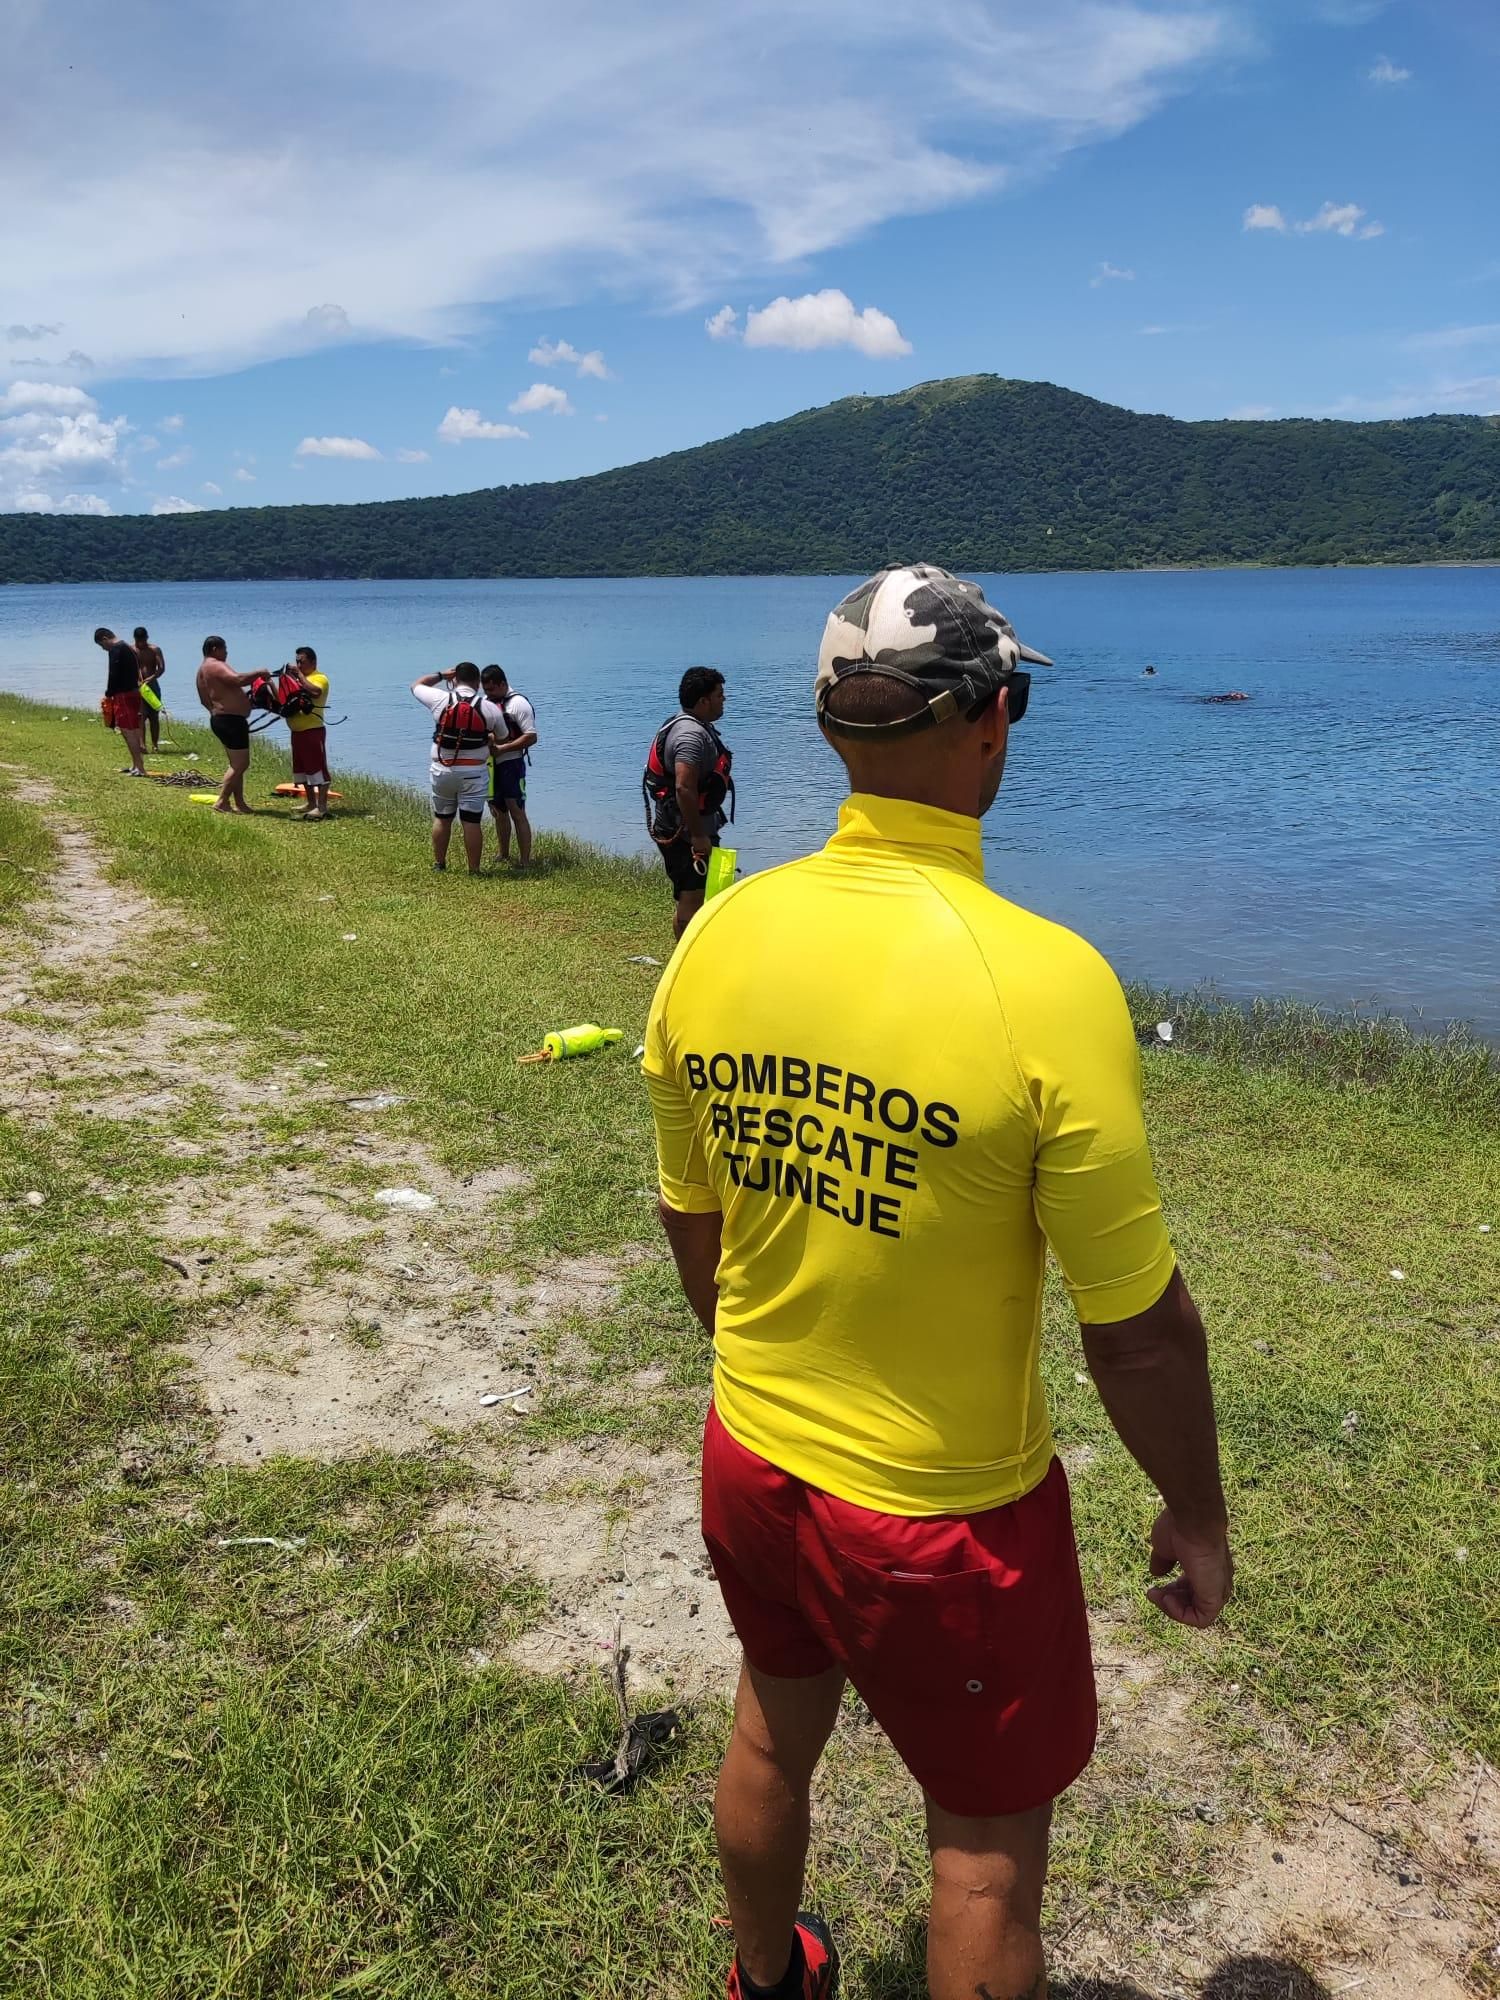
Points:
(1149, 674)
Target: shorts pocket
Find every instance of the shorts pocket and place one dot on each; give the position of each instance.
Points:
(926, 1634)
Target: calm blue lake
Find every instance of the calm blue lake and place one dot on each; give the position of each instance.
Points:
(1333, 837)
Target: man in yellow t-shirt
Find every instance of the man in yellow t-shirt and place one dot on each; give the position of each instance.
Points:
(881, 1092)
(310, 740)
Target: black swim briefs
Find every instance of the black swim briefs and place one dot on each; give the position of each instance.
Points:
(233, 731)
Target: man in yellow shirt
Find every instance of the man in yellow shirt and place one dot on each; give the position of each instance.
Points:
(881, 1092)
(310, 739)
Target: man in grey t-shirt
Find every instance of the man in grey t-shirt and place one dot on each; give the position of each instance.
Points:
(686, 783)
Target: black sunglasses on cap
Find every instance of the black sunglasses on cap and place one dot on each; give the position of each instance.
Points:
(1017, 687)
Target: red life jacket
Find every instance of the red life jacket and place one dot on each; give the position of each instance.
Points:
(461, 727)
(284, 693)
(659, 784)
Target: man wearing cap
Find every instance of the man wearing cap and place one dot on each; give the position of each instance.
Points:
(881, 1092)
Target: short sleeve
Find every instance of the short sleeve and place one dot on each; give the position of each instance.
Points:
(681, 1168)
(1095, 1192)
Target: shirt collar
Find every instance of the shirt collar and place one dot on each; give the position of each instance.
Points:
(868, 823)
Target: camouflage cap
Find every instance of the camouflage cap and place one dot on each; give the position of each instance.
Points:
(922, 625)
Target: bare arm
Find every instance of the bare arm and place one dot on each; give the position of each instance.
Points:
(522, 742)
(695, 1246)
(687, 780)
(1151, 1372)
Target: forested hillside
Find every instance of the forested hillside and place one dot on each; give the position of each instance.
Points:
(977, 472)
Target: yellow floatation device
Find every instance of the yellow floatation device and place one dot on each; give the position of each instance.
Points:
(150, 697)
(721, 871)
(580, 1041)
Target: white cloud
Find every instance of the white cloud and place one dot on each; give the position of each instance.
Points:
(327, 322)
(172, 503)
(1334, 218)
(415, 172)
(1251, 412)
(37, 332)
(724, 324)
(173, 423)
(173, 459)
(407, 456)
(246, 478)
(1457, 336)
(562, 353)
(53, 443)
(45, 396)
(824, 319)
(210, 487)
(336, 447)
(542, 396)
(1340, 218)
(460, 426)
(148, 443)
(1108, 272)
(1385, 71)
(1471, 395)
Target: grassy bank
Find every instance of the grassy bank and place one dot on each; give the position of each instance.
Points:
(252, 1770)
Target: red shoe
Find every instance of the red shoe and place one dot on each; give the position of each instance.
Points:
(820, 1962)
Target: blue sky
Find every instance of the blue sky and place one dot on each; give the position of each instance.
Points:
(348, 250)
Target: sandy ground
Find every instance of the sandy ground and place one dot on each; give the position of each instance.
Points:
(1374, 1897)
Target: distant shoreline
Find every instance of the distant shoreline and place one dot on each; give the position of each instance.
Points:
(753, 576)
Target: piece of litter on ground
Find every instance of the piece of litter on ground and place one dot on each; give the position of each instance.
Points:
(1484, 1227)
(350, 936)
(639, 1053)
(1399, 1276)
(1460, 1555)
(1164, 1030)
(291, 1548)
(35, 1199)
(1079, 1376)
(381, 1101)
(504, 1396)
(326, 899)
(643, 958)
(405, 1271)
(1350, 1421)
(405, 1198)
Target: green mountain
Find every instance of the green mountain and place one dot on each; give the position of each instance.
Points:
(977, 472)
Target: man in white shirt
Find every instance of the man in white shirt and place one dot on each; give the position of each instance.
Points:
(508, 778)
(466, 729)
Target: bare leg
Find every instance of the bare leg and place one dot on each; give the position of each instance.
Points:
(473, 833)
(522, 826)
(239, 764)
(442, 832)
(502, 829)
(132, 739)
(762, 1809)
(984, 1937)
(689, 903)
(153, 723)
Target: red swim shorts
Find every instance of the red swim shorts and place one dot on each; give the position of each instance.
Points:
(966, 1636)
(310, 755)
(128, 710)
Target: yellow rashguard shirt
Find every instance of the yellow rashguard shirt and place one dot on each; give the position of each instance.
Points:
(899, 1089)
(319, 685)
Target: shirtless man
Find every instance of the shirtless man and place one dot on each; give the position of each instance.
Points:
(224, 694)
(153, 665)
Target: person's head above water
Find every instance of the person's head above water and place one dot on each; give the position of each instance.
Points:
(701, 693)
(466, 674)
(214, 647)
(496, 678)
(918, 684)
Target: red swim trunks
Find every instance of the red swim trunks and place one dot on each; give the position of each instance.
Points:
(310, 755)
(966, 1636)
(128, 710)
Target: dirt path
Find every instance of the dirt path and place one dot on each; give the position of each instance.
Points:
(365, 1327)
